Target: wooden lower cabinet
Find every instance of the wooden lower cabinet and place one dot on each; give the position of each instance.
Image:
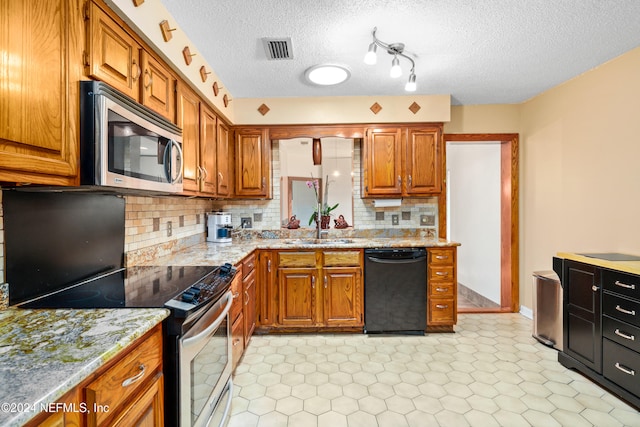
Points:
(442, 289)
(128, 391)
(320, 289)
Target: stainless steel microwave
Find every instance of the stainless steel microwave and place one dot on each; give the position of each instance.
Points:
(126, 145)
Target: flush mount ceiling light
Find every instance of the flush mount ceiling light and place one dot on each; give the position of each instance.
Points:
(327, 74)
(395, 49)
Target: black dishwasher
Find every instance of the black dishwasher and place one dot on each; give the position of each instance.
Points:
(395, 290)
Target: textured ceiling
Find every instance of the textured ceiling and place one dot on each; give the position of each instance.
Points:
(479, 51)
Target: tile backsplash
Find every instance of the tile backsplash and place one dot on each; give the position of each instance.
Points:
(158, 226)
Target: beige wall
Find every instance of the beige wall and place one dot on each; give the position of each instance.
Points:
(580, 178)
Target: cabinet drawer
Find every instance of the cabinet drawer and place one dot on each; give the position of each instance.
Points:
(440, 257)
(441, 274)
(441, 312)
(621, 332)
(297, 259)
(341, 258)
(125, 378)
(621, 283)
(248, 264)
(621, 365)
(442, 290)
(621, 308)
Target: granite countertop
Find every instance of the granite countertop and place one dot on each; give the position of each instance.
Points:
(45, 353)
(632, 267)
(209, 253)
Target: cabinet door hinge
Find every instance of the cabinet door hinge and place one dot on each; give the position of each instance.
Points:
(85, 58)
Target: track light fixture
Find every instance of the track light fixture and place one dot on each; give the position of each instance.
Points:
(395, 49)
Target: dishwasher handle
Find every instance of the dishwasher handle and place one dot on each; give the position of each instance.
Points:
(397, 260)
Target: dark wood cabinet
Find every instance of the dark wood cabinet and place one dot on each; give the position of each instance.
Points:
(582, 314)
(602, 325)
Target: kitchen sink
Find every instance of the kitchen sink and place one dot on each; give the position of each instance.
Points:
(318, 241)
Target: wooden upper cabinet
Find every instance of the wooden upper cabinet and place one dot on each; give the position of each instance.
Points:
(114, 56)
(208, 150)
(40, 68)
(253, 163)
(158, 87)
(402, 161)
(423, 161)
(383, 162)
(223, 158)
(188, 119)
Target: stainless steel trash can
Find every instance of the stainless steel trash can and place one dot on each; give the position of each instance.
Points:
(547, 309)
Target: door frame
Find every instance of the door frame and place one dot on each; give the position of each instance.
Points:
(509, 226)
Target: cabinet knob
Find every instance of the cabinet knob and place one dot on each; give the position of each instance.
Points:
(138, 70)
(325, 282)
(264, 183)
(409, 181)
(399, 181)
(313, 282)
(594, 288)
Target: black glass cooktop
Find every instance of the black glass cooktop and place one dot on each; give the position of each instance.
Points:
(612, 256)
(134, 287)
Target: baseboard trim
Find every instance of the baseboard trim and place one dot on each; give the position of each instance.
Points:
(526, 312)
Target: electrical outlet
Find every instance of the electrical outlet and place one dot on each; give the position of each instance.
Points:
(169, 229)
(245, 222)
(395, 219)
(427, 220)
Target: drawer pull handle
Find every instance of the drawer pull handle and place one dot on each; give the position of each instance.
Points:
(269, 265)
(246, 298)
(442, 306)
(133, 379)
(442, 289)
(625, 369)
(236, 342)
(442, 273)
(624, 285)
(325, 281)
(442, 257)
(313, 282)
(622, 310)
(623, 335)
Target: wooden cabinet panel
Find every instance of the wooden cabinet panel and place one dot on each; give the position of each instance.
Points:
(383, 157)
(297, 288)
(158, 87)
(297, 259)
(402, 161)
(236, 291)
(423, 163)
(114, 56)
(342, 258)
(253, 163)
(61, 418)
(208, 152)
(147, 410)
(267, 288)
(41, 43)
(188, 119)
(224, 178)
(124, 379)
(343, 296)
(237, 340)
(249, 301)
(441, 311)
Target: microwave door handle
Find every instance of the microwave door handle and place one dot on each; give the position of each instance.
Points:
(179, 165)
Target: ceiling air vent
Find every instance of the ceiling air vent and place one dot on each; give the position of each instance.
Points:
(278, 48)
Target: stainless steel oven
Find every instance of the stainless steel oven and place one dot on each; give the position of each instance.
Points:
(204, 353)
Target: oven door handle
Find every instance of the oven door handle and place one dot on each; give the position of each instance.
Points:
(187, 342)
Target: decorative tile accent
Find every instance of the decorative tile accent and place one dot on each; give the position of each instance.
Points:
(375, 108)
(263, 109)
(137, 3)
(414, 108)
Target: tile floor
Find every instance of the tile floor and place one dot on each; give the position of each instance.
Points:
(491, 372)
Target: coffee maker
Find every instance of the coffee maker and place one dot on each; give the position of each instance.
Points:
(219, 227)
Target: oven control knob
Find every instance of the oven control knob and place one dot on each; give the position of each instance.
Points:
(188, 296)
(195, 289)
